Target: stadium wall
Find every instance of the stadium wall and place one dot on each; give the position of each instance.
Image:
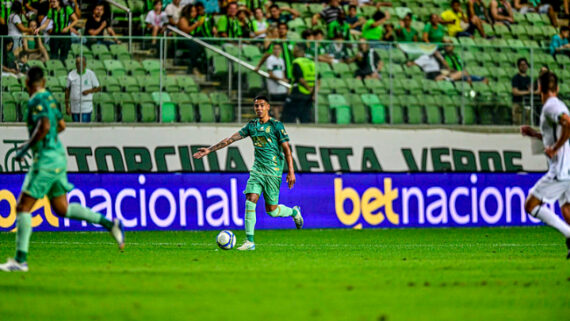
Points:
(315, 149)
(204, 201)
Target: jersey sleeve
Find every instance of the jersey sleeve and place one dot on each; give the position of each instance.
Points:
(50, 14)
(39, 110)
(94, 80)
(244, 132)
(68, 11)
(282, 135)
(554, 111)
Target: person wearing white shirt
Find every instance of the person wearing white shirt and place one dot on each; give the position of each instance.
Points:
(156, 19)
(554, 134)
(15, 26)
(173, 12)
(276, 68)
(81, 84)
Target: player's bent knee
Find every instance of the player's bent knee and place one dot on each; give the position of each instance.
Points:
(531, 203)
(271, 210)
(252, 198)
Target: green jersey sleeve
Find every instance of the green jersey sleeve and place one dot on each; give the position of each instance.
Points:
(222, 24)
(50, 14)
(39, 110)
(282, 135)
(68, 11)
(244, 132)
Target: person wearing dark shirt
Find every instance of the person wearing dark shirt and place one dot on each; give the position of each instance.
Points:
(455, 63)
(64, 19)
(368, 62)
(354, 20)
(521, 90)
(97, 23)
(406, 33)
(281, 15)
(328, 14)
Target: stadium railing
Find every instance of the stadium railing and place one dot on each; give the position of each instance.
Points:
(180, 80)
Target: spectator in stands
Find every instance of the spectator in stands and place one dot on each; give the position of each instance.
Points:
(82, 83)
(207, 28)
(550, 7)
(521, 90)
(278, 15)
(405, 33)
(39, 8)
(260, 24)
(559, 42)
(15, 25)
(97, 23)
(431, 65)
(389, 34)
(501, 12)
(64, 19)
(276, 68)
(309, 42)
(75, 6)
(173, 12)
(368, 62)
(33, 45)
(156, 20)
(339, 26)
(228, 25)
(9, 64)
(191, 24)
(271, 35)
(299, 103)
(321, 48)
(455, 63)
(372, 29)
(458, 24)
(246, 26)
(477, 8)
(433, 30)
(354, 20)
(3, 17)
(337, 50)
(328, 14)
(285, 45)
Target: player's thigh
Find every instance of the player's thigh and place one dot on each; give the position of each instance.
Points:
(60, 186)
(271, 190)
(38, 183)
(59, 205)
(254, 186)
(548, 189)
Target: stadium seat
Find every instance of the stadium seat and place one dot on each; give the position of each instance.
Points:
(114, 68)
(433, 115)
(127, 106)
(36, 63)
(206, 112)
(200, 98)
(342, 70)
(150, 83)
(81, 50)
(220, 67)
(11, 84)
(415, 115)
(171, 84)
(469, 116)
(324, 70)
(110, 84)
(106, 105)
(130, 84)
(53, 84)
(251, 52)
(152, 66)
(56, 68)
(134, 68)
(147, 106)
(120, 52)
(373, 84)
(21, 98)
(396, 115)
(9, 108)
(187, 84)
(341, 108)
(338, 85)
(254, 82)
(101, 52)
(323, 110)
(185, 106)
(356, 86)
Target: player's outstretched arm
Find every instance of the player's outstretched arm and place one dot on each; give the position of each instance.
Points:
(289, 159)
(530, 132)
(563, 120)
(224, 143)
(40, 131)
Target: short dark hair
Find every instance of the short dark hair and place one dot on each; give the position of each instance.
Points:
(521, 60)
(199, 4)
(454, 2)
(564, 28)
(35, 74)
(306, 33)
(301, 46)
(273, 6)
(410, 15)
(318, 32)
(351, 7)
(378, 15)
(281, 24)
(548, 82)
(261, 97)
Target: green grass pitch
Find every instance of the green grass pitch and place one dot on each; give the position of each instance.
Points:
(409, 274)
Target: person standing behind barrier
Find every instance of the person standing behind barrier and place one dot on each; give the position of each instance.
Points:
(299, 104)
(15, 26)
(191, 24)
(63, 19)
(276, 69)
(81, 84)
(97, 23)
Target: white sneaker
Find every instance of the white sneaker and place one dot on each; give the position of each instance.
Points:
(247, 246)
(298, 218)
(13, 266)
(118, 233)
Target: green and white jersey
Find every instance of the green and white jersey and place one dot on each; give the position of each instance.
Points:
(49, 152)
(267, 139)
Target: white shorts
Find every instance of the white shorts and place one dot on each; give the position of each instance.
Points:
(548, 189)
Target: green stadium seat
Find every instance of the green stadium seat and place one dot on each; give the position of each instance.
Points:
(37, 63)
(206, 112)
(114, 68)
(341, 108)
(297, 25)
(342, 70)
(323, 110)
(187, 84)
(534, 18)
(81, 50)
(101, 52)
(374, 85)
(110, 84)
(324, 70)
(127, 106)
(415, 115)
(450, 115)
(339, 85)
(519, 31)
(396, 115)
(53, 84)
(502, 31)
(9, 108)
(134, 68)
(147, 106)
(185, 106)
(251, 52)
(433, 115)
(200, 98)
(11, 84)
(171, 84)
(220, 67)
(120, 52)
(469, 115)
(356, 86)
(232, 50)
(152, 66)
(55, 68)
(130, 84)
(254, 82)
(21, 98)
(150, 83)
(106, 104)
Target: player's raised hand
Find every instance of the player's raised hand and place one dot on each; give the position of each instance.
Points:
(201, 153)
(291, 179)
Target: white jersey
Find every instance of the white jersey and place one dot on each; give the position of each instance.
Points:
(559, 165)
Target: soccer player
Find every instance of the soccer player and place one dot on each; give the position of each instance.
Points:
(270, 141)
(47, 175)
(554, 133)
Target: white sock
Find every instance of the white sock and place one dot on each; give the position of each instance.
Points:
(548, 217)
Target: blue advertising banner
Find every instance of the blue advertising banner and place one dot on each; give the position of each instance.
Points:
(192, 201)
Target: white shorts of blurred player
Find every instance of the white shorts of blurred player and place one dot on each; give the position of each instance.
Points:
(549, 189)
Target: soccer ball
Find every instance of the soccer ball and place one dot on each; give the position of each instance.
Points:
(226, 240)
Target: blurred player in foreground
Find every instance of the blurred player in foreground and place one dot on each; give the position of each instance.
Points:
(48, 173)
(554, 133)
(270, 141)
